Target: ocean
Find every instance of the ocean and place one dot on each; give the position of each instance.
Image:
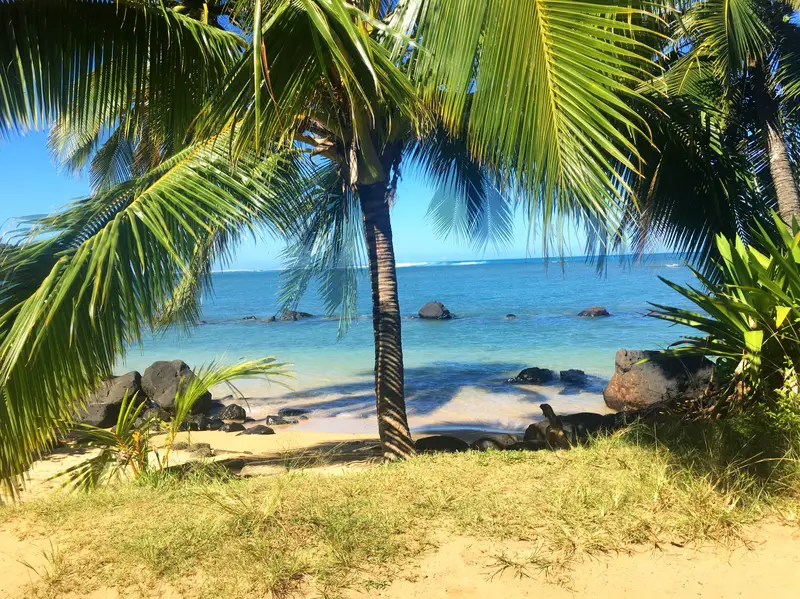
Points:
(457, 370)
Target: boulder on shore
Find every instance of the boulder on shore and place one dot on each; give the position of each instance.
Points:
(573, 376)
(232, 412)
(635, 385)
(161, 382)
(213, 424)
(292, 412)
(533, 376)
(272, 419)
(258, 429)
(232, 427)
(536, 432)
(594, 311)
(102, 408)
(435, 311)
(441, 443)
(496, 442)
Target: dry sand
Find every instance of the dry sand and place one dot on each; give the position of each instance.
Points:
(468, 569)
(465, 568)
(291, 447)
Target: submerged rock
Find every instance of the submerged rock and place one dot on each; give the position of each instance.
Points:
(279, 420)
(258, 429)
(161, 382)
(435, 311)
(292, 315)
(233, 412)
(594, 311)
(533, 376)
(635, 385)
(291, 412)
(573, 376)
(102, 408)
(441, 443)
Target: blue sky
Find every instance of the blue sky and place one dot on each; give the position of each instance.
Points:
(30, 183)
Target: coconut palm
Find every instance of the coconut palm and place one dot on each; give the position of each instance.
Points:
(735, 65)
(316, 101)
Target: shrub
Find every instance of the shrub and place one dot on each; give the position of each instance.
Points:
(749, 315)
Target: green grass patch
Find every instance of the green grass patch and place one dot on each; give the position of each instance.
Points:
(215, 536)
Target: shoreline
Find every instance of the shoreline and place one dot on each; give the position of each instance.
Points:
(348, 406)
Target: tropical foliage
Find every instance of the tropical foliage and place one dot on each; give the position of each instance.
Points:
(725, 142)
(750, 322)
(126, 450)
(208, 120)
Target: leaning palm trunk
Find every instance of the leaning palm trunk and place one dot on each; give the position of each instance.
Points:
(389, 386)
(782, 178)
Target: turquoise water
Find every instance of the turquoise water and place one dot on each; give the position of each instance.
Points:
(455, 367)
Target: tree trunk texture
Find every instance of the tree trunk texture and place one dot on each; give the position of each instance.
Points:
(781, 170)
(389, 376)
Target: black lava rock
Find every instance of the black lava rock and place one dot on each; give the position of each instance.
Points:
(441, 443)
(232, 427)
(232, 412)
(533, 376)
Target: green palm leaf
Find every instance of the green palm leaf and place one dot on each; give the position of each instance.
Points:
(118, 263)
(56, 54)
(547, 85)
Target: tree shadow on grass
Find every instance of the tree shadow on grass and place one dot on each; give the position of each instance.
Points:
(737, 455)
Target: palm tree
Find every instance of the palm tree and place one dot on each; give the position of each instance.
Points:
(321, 90)
(739, 62)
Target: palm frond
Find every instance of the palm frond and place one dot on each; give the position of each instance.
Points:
(327, 246)
(116, 262)
(468, 203)
(83, 59)
(695, 186)
(319, 63)
(546, 86)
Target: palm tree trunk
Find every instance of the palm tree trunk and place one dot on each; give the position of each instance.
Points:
(782, 178)
(389, 377)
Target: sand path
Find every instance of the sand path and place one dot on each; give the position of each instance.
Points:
(465, 568)
(468, 569)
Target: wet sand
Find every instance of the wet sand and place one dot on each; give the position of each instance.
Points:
(348, 406)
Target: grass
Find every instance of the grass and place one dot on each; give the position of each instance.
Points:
(209, 535)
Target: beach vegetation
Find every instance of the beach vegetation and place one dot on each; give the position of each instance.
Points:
(294, 118)
(127, 451)
(748, 315)
(205, 535)
(724, 119)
